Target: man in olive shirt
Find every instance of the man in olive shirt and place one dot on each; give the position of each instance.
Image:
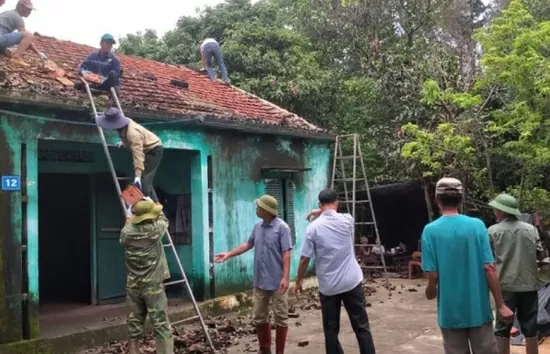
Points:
(147, 269)
(517, 248)
(145, 146)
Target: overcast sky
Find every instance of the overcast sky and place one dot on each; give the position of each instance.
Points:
(85, 22)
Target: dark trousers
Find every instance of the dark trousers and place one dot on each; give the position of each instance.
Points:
(152, 162)
(526, 306)
(355, 303)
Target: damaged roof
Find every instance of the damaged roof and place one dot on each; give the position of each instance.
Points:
(147, 88)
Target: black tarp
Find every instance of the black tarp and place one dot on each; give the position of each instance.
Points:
(401, 213)
(543, 317)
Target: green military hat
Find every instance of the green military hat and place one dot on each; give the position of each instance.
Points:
(268, 203)
(506, 203)
(145, 210)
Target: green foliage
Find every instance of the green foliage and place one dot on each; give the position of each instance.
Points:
(406, 76)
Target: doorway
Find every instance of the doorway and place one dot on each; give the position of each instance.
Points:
(64, 220)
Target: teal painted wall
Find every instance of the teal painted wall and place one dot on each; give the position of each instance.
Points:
(237, 181)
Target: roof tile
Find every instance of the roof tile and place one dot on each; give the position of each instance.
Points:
(146, 85)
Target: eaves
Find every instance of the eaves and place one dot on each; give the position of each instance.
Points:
(209, 120)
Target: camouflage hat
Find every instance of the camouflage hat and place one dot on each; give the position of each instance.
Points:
(145, 210)
(448, 185)
(268, 203)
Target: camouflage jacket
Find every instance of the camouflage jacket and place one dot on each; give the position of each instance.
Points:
(144, 253)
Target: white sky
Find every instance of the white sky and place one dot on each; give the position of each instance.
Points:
(86, 21)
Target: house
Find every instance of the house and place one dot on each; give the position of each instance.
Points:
(60, 217)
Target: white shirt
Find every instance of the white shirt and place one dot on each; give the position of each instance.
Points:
(208, 40)
(329, 239)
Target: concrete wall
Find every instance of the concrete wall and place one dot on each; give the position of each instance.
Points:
(237, 181)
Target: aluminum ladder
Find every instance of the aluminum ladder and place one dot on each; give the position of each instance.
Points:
(340, 176)
(170, 243)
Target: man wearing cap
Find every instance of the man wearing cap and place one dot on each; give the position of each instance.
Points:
(147, 269)
(272, 244)
(105, 64)
(145, 146)
(459, 263)
(12, 20)
(517, 247)
(330, 240)
(211, 48)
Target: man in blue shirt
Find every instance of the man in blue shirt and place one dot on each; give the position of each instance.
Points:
(271, 241)
(105, 64)
(458, 260)
(330, 239)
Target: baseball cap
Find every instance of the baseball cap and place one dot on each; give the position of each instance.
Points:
(27, 3)
(448, 185)
(108, 37)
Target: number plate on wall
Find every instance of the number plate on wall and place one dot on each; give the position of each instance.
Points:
(11, 183)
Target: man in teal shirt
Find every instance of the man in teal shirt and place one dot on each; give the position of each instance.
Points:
(457, 257)
(517, 248)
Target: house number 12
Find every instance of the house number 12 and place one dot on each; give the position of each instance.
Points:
(11, 183)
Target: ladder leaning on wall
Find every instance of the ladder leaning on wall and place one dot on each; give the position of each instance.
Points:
(170, 243)
(340, 183)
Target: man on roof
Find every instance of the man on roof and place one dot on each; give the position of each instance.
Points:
(210, 48)
(145, 146)
(104, 64)
(12, 20)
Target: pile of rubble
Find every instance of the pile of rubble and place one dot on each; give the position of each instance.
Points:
(228, 331)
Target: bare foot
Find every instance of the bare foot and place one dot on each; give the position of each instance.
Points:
(19, 61)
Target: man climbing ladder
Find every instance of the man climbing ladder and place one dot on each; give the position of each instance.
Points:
(145, 146)
(170, 244)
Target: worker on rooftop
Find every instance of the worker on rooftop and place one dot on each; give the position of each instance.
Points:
(517, 248)
(272, 244)
(147, 268)
(211, 48)
(12, 20)
(145, 146)
(105, 64)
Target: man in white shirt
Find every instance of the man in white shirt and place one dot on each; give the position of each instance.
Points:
(329, 239)
(211, 48)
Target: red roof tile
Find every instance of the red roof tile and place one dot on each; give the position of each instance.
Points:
(146, 87)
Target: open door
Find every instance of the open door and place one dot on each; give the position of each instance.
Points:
(110, 266)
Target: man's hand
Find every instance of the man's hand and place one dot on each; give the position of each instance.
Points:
(137, 182)
(313, 214)
(298, 290)
(283, 286)
(221, 257)
(129, 213)
(431, 292)
(505, 314)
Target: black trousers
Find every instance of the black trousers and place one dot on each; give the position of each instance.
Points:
(152, 162)
(354, 303)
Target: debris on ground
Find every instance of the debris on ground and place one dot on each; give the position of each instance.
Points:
(230, 331)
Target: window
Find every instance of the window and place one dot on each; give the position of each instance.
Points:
(283, 191)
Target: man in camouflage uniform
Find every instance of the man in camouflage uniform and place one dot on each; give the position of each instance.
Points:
(147, 269)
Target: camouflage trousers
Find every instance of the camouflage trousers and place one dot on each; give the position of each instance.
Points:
(149, 300)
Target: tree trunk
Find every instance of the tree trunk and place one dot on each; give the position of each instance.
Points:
(428, 199)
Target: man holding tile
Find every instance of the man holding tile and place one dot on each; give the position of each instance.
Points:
(272, 243)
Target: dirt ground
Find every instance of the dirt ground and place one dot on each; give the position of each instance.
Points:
(402, 322)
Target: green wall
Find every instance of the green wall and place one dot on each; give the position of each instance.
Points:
(237, 160)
